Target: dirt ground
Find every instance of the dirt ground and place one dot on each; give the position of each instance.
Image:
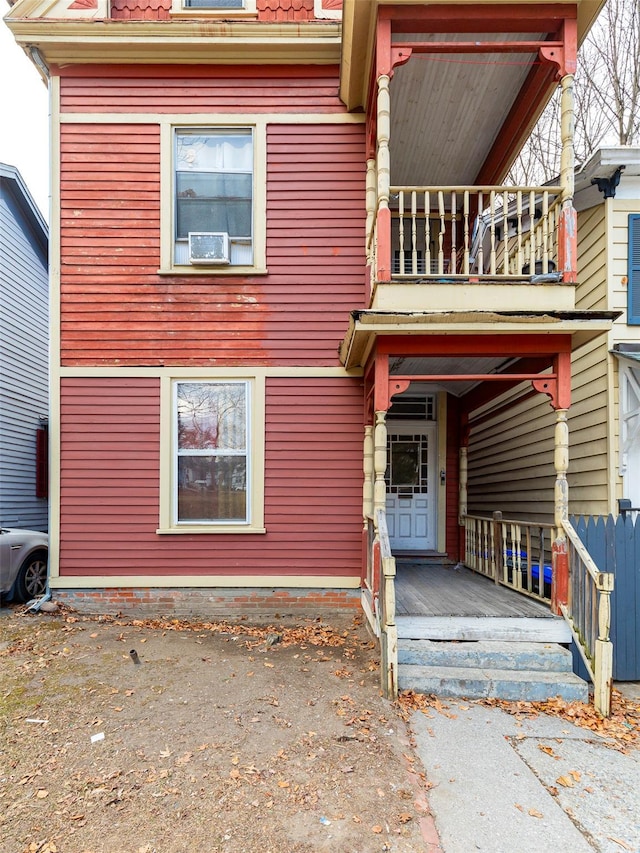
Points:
(223, 738)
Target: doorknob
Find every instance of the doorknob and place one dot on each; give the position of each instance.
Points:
(443, 476)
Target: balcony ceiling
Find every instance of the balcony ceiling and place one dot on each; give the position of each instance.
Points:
(452, 366)
(447, 109)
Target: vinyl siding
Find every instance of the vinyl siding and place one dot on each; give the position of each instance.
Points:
(511, 454)
(110, 485)
(23, 363)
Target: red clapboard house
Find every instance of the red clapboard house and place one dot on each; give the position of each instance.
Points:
(286, 279)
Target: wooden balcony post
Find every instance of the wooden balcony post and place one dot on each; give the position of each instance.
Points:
(383, 229)
(567, 229)
(603, 654)
(371, 206)
(462, 483)
(380, 461)
(367, 465)
(560, 557)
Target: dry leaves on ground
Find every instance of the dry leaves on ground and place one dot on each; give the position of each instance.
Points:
(621, 729)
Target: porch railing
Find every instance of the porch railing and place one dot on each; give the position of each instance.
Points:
(516, 554)
(588, 612)
(379, 598)
(491, 232)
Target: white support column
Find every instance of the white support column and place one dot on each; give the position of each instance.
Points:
(371, 183)
(380, 461)
(462, 483)
(567, 130)
(384, 135)
(367, 488)
(561, 464)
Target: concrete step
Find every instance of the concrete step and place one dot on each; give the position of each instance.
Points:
(539, 657)
(523, 629)
(484, 683)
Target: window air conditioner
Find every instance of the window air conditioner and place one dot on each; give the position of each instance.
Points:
(208, 247)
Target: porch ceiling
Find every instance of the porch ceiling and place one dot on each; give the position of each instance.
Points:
(447, 110)
(367, 325)
(420, 366)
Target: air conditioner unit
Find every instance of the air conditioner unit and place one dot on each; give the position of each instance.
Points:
(208, 247)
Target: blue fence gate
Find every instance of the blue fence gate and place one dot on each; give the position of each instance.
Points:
(614, 544)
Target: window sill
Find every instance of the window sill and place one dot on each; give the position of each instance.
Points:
(212, 270)
(228, 14)
(163, 531)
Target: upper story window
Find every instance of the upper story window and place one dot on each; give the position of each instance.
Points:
(214, 197)
(215, 7)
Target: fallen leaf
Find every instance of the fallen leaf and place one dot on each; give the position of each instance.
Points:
(41, 793)
(377, 829)
(575, 774)
(535, 813)
(405, 817)
(619, 841)
(565, 781)
(283, 784)
(270, 665)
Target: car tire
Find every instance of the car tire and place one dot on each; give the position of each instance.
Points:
(31, 580)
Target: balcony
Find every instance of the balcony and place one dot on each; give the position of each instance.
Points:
(442, 248)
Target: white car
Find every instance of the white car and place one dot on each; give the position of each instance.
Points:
(23, 563)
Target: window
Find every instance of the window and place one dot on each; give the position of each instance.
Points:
(214, 187)
(214, 194)
(212, 452)
(214, 7)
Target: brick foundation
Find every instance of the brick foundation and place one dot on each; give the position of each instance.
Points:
(252, 604)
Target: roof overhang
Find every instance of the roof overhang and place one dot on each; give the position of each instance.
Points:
(367, 325)
(359, 27)
(96, 40)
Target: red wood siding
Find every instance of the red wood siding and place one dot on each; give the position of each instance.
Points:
(110, 485)
(199, 89)
(116, 309)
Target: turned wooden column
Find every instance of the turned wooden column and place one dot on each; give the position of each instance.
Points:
(380, 461)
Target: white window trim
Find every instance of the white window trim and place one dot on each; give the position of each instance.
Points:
(167, 201)
(255, 460)
(249, 10)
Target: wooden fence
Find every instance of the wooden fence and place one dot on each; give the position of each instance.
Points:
(614, 544)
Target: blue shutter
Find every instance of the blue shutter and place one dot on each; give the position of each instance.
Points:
(633, 286)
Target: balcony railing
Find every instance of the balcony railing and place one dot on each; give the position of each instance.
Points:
(458, 232)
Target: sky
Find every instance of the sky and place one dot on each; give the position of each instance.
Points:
(24, 117)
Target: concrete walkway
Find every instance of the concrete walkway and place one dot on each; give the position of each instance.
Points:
(541, 785)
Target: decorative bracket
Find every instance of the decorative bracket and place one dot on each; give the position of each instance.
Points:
(548, 386)
(557, 55)
(400, 56)
(397, 386)
(607, 186)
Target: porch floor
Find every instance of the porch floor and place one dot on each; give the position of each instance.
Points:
(425, 588)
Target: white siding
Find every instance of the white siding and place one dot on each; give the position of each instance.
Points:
(23, 357)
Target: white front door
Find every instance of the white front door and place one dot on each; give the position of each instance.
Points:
(411, 491)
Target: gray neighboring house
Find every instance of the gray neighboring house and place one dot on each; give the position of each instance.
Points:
(24, 336)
